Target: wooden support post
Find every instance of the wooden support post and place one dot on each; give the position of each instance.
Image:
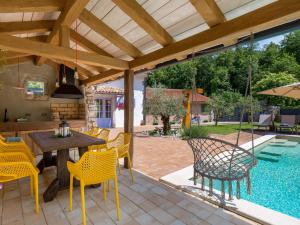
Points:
(129, 110)
(64, 36)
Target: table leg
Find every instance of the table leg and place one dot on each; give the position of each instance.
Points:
(46, 161)
(63, 176)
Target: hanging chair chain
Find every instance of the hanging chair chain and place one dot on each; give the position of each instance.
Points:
(248, 87)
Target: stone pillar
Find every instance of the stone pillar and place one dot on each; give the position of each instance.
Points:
(91, 108)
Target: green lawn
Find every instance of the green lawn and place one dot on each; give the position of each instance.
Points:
(225, 129)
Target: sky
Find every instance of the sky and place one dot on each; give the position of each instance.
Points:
(275, 39)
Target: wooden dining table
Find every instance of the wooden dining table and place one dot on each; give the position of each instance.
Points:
(49, 143)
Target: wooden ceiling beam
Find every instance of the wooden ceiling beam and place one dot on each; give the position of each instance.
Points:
(19, 60)
(69, 14)
(104, 30)
(272, 15)
(12, 55)
(14, 6)
(87, 44)
(266, 17)
(104, 77)
(12, 43)
(210, 11)
(26, 27)
(134, 10)
(64, 37)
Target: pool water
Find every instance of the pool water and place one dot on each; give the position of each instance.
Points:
(275, 179)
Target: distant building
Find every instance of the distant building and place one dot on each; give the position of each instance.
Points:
(109, 99)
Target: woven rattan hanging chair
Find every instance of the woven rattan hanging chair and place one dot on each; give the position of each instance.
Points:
(216, 159)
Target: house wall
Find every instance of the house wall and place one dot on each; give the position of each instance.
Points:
(138, 100)
(15, 101)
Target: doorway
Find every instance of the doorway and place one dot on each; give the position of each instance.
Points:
(104, 113)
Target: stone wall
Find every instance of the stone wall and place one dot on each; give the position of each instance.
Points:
(68, 110)
(90, 106)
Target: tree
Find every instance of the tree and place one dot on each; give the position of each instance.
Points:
(272, 80)
(291, 44)
(159, 104)
(177, 76)
(250, 106)
(224, 103)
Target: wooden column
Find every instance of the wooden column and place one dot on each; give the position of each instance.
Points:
(129, 109)
(64, 36)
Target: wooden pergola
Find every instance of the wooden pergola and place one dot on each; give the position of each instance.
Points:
(119, 37)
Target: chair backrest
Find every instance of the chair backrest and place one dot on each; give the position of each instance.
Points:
(288, 120)
(213, 155)
(121, 139)
(104, 134)
(265, 119)
(93, 131)
(97, 167)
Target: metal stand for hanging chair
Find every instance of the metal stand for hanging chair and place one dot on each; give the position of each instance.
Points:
(216, 159)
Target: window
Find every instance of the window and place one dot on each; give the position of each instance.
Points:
(99, 105)
(35, 88)
(108, 108)
(104, 108)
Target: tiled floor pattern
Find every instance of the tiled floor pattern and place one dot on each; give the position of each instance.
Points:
(146, 202)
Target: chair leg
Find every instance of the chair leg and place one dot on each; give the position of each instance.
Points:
(108, 185)
(117, 197)
(130, 168)
(104, 191)
(82, 203)
(71, 192)
(119, 166)
(31, 185)
(36, 187)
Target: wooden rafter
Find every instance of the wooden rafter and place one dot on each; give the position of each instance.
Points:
(83, 73)
(12, 43)
(70, 13)
(12, 55)
(86, 44)
(134, 10)
(263, 18)
(266, 17)
(64, 41)
(210, 11)
(101, 28)
(103, 77)
(26, 27)
(20, 60)
(9, 6)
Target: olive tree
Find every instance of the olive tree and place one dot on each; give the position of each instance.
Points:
(223, 103)
(158, 104)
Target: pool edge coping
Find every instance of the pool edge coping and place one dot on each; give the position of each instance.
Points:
(247, 209)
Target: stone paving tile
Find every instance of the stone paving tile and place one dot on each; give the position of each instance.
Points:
(146, 202)
(159, 156)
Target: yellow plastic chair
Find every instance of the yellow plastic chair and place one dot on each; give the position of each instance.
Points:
(16, 165)
(93, 131)
(94, 168)
(104, 135)
(17, 147)
(121, 143)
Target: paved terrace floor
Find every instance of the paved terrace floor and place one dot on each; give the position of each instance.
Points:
(159, 156)
(146, 202)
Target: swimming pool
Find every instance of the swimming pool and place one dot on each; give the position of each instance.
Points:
(275, 179)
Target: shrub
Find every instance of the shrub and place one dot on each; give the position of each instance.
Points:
(194, 132)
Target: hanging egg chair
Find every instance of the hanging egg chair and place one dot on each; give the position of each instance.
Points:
(219, 160)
